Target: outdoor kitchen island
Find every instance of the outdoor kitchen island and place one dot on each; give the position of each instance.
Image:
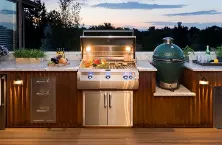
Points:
(148, 110)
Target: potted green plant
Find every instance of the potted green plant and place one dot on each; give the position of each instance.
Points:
(218, 52)
(28, 55)
(187, 51)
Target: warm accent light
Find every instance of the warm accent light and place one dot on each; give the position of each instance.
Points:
(18, 81)
(128, 48)
(88, 48)
(204, 81)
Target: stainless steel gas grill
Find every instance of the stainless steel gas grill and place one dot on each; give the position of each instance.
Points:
(108, 62)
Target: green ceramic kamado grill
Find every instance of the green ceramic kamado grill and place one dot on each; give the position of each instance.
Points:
(169, 60)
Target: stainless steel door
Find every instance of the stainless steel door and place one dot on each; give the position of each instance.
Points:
(2, 102)
(120, 108)
(94, 108)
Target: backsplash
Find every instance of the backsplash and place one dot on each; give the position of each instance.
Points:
(76, 55)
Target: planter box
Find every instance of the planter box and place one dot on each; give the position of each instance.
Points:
(34, 60)
(28, 60)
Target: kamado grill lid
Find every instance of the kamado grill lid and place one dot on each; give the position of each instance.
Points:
(168, 51)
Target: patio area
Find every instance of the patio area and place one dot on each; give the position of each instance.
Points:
(111, 136)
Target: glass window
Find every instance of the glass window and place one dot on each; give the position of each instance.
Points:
(8, 24)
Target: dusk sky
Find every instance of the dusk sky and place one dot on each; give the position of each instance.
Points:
(142, 14)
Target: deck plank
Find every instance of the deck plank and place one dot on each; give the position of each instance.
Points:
(111, 136)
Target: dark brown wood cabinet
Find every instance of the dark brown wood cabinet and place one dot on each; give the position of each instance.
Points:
(68, 100)
(176, 111)
(148, 110)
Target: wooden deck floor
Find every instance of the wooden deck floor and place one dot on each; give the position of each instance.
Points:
(111, 136)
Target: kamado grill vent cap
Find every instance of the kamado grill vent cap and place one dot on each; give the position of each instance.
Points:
(168, 51)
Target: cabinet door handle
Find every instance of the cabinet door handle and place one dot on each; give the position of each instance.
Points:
(42, 94)
(105, 101)
(47, 81)
(41, 110)
(110, 101)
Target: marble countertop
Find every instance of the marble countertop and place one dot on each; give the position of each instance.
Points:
(13, 66)
(182, 91)
(144, 65)
(196, 67)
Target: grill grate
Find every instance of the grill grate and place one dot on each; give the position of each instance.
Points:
(116, 64)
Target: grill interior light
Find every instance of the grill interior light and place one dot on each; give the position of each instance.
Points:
(88, 48)
(128, 48)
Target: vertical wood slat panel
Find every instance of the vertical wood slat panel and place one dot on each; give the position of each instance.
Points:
(68, 110)
(150, 111)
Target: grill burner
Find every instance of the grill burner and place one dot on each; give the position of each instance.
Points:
(119, 70)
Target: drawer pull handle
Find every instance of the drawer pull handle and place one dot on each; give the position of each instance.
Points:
(47, 81)
(43, 94)
(45, 110)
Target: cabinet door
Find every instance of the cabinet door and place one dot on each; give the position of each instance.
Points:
(217, 107)
(95, 108)
(120, 108)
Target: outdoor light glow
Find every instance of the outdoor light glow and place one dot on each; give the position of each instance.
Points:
(18, 82)
(128, 48)
(88, 48)
(203, 82)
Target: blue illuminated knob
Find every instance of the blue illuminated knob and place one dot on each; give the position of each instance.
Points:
(108, 77)
(130, 77)
(90, 76)
(125, 77)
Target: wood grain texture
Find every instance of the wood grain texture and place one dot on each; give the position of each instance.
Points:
(68, 100)
(201, 106)
(125, 136)
(150, 111)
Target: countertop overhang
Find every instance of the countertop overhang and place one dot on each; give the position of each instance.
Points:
(196, 67)
(11, 65)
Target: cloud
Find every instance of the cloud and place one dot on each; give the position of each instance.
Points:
(7, 12)
(194, 24)
(210, 12)
(136, 5)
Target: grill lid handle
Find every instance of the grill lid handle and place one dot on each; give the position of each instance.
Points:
(168, 40)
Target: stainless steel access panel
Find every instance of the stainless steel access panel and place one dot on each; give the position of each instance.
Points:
(2, 102)
(217, 107)
(43, 100)
(107, 108)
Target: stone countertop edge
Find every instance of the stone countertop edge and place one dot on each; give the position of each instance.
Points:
(144, 65)
(12, 66)
(73, 66)
(182, 91)
(196, 67)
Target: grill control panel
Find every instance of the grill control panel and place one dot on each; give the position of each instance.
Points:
(108, 80)
(109, 76)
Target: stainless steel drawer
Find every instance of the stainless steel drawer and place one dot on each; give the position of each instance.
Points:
(43, 100)
(42, 82)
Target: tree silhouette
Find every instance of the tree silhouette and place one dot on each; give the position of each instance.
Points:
(65, 30)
